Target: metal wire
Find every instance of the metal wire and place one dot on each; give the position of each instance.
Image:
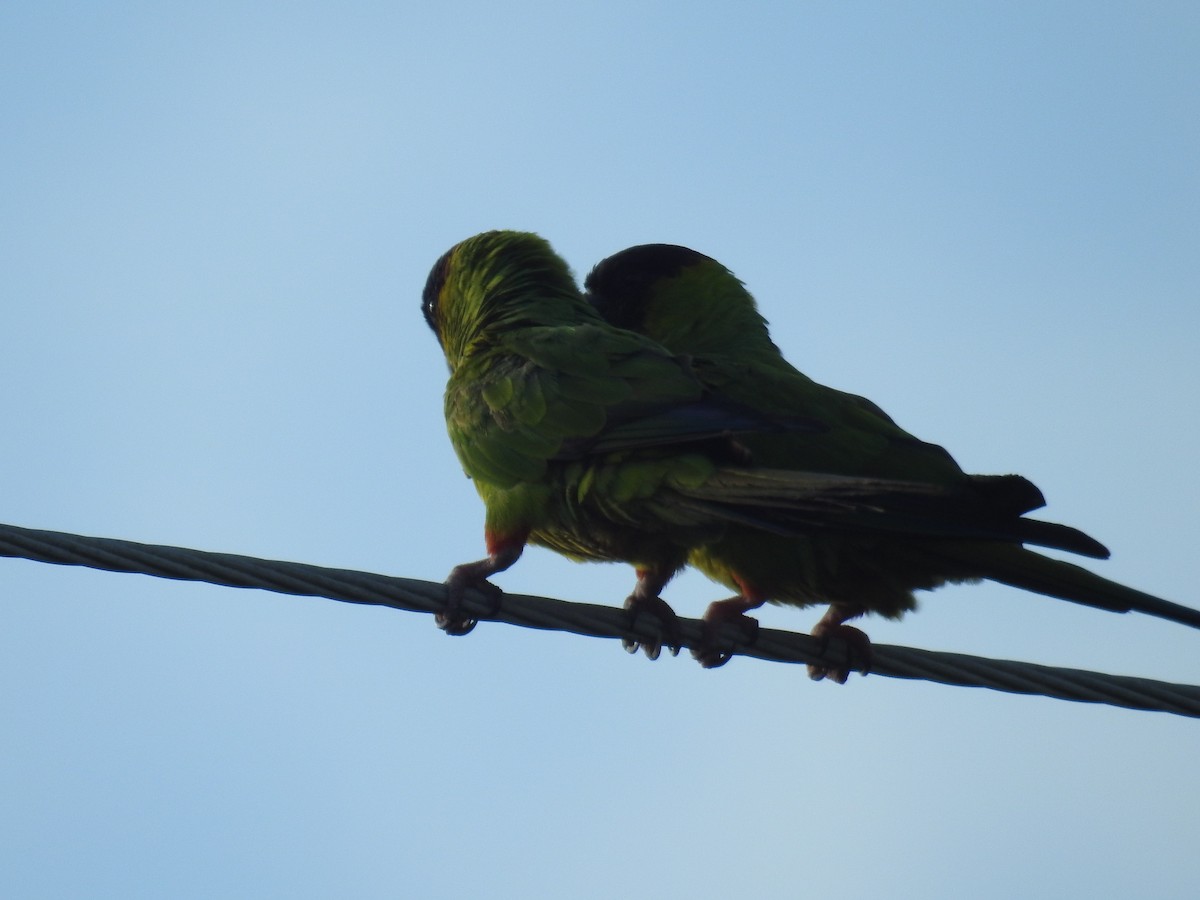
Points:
(588, 619)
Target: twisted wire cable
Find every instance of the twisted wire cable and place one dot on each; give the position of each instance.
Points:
(231, 570)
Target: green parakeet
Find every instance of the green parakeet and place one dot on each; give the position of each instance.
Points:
(596, 442)
(559, 419)
(693, 306)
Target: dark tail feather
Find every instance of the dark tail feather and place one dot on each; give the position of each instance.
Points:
(798, 502)
(1031, 571)
(1059, 537)
(1013, 494)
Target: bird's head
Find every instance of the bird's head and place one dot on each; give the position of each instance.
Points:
(688, 302)
(495, 280)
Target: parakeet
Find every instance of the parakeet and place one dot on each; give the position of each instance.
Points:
(695, 307)
(596, 442)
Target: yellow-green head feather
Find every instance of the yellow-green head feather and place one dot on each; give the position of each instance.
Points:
(498, 280)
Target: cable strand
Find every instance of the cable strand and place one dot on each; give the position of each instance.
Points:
(302, 579)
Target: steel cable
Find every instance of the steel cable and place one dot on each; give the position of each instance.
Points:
(231, 570)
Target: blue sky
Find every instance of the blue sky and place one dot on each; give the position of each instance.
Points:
(215, 222)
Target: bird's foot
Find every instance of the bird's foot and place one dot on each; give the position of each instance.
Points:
(857, 646)
(669, 634)
(645, 599)
(717, 643)
(453, 619)
(669, 627)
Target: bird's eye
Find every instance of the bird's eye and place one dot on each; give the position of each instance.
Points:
(431, 296)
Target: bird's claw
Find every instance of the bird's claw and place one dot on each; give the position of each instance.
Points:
(452, 619)
(669, 632)
(451, 622)
(717, 645)
(858, 652)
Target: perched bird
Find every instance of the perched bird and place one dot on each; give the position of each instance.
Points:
(695, 307)
(596, 442)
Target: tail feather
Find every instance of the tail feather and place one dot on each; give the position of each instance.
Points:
(1059, 537)
(953, 535)
(797, 502)
(1021, 568)
(1013, 494)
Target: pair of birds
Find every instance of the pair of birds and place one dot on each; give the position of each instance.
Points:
(653, 421)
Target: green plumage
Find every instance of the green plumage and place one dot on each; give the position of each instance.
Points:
(593, 440)
(670, 430)
(974, 528)
(537, 380)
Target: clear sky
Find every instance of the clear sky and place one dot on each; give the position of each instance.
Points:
(215, 223)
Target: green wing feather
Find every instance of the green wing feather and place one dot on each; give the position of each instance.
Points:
(601, 443)
(874, 551)
(595, 440)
